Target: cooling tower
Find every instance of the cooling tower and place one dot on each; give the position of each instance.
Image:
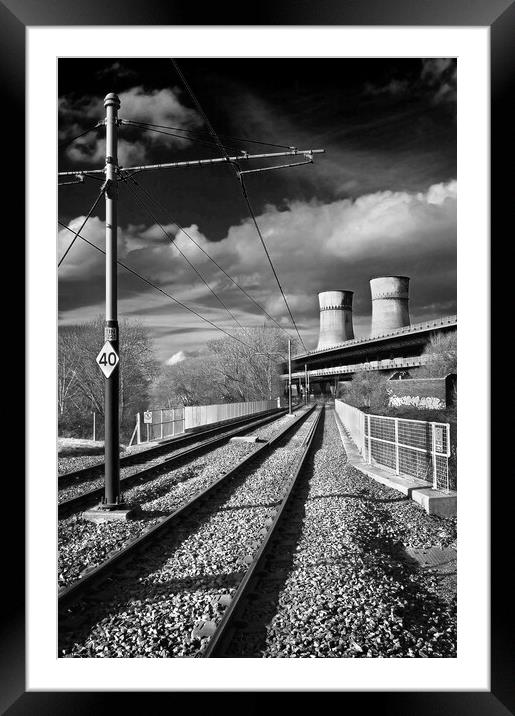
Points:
(335, 318)
(390, 295)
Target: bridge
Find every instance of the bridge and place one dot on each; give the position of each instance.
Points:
(397, 349)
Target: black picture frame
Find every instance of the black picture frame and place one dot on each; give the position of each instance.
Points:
(499, 16)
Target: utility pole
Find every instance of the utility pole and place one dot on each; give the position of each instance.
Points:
(111, 334)
(289, 376)
(112, 506)
(306, 381)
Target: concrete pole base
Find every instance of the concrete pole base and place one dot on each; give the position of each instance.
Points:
(120, 513)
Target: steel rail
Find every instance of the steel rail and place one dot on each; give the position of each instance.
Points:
(65, 479)
(102, 571)
(224, 631)
(90, 496)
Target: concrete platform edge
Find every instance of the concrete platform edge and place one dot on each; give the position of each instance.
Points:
(432, 501)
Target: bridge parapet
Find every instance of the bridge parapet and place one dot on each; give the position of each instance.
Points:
(446, 321)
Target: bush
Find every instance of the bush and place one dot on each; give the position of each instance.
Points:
(366, 390)
(442, 355)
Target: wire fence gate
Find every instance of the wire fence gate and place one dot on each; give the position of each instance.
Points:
(415, 448)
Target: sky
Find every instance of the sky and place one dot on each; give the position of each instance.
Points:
(380, 201)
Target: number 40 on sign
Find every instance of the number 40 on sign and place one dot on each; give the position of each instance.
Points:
(107, 359)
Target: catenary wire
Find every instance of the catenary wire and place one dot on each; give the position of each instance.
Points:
(225, 136)
(173, 221)
(258, 230)
(82, 225)
(66, 143)
(149, 128)
(243, 188)
(171, 239)
(161, 290)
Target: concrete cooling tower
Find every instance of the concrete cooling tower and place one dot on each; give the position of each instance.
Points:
(335, 318)
(390, 295)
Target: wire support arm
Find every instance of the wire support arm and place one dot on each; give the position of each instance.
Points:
(269, 169)
(202, 162)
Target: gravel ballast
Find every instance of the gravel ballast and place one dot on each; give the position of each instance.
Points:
(156, 609)
(338, 585)
(83, 545)
(343, 588)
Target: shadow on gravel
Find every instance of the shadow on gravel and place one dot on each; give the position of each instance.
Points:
(428, 621)
(415, 620)
(251, 641)
(149, 491)
(358, 497)
(130, 583)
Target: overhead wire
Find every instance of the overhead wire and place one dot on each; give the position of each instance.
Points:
(161, 290)
(183, 230)
(171, 239)
(258, 230)
(225, 136)
(142, 125)
(66, 143)
(243, 188)
(82, 225)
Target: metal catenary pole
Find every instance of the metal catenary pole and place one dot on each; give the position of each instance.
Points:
(111, 333)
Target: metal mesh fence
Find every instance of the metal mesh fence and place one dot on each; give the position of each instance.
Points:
(414, 448)
(409, 447)
(165, 423)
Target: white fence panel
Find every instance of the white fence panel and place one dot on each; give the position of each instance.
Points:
(197, 415)
(353, 419)
(168, 422)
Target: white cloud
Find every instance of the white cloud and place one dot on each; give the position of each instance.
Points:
(176, 358)
(162, 107)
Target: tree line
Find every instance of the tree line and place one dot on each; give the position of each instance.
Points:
(223, 371)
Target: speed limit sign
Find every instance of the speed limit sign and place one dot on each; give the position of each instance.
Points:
(107, 359)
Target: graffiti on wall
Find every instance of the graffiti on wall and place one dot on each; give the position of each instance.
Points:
(428, 402)
(423, 393)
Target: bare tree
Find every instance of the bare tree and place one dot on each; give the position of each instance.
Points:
(67, 384)
(78, 372)
(227, 371)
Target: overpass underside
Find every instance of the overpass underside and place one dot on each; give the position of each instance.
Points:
(398, 350)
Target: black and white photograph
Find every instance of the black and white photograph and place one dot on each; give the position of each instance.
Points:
(249, 240)
(257, 376)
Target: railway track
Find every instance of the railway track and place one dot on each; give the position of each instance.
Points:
(252, 495)
(224, 632)
(163, 447)
(80, 481)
